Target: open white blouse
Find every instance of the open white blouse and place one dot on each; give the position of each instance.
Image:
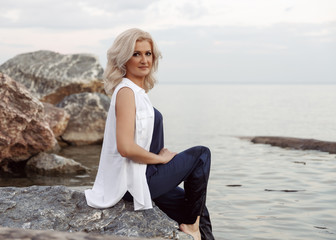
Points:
(116, 174)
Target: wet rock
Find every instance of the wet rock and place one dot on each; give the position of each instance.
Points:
(51, 76)
(88, 113)
(52, 164)
(57, 118)
(62, 209)
(24, 131)
(297, 143)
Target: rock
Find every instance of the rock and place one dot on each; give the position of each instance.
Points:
(62, 209)
(24, 131)
(88, 113)
(51, 76)
(24, 234)
(57, 118)
(52, 164)
(297, 143)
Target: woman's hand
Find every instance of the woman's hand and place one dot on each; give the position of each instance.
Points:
(166, 155)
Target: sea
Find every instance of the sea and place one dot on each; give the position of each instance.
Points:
(255, 191)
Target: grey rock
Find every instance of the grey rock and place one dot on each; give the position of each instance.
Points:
(51, 76)
(62, 209)
(24, 234)
(52, 164)
(24, 131)
(297, 143)
(88, 113)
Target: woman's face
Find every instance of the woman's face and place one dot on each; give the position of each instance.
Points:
(140, 64)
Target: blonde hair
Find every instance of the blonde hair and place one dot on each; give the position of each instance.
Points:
(119, 54)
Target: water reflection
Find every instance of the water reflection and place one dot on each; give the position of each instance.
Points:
(86, 155)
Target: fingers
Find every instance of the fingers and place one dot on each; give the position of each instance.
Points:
(166, 155)
(165, 150)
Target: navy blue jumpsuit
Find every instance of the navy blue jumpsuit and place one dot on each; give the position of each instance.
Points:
(192, 167)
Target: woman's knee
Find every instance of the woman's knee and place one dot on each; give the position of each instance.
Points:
(206, 153)
(200, 155)
(201, 150)
(206, 158)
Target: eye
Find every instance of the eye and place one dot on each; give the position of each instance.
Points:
(148, 54)
(136, 54)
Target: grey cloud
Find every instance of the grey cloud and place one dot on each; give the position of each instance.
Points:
(72, 14)
(279, 53)
(288, 9)
(193, 9)
(124, 5)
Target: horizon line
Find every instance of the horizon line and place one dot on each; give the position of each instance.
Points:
(247, 83)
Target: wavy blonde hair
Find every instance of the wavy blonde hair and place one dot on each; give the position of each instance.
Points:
(119, 54)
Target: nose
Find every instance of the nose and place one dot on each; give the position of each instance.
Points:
(143, 58)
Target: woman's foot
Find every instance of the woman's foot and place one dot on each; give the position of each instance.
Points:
(192, 229)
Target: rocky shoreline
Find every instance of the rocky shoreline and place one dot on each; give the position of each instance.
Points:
(50, 101)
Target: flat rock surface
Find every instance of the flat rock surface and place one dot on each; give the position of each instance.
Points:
(297, 143)
(24, 234)
(62, 209)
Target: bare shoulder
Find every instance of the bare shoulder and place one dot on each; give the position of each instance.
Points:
(125, 100)
(125, 91)
(125, 95)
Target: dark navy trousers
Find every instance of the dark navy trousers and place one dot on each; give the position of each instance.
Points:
(192, 167)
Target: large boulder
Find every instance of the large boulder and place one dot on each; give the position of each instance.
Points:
(88, 113)
(51, 76)
(62, 209)
(24, 131)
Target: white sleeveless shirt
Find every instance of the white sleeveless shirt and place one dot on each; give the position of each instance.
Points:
(116, 174)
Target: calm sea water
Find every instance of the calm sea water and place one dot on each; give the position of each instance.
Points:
(255, 191)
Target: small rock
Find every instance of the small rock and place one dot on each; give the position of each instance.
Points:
(88, 113)
(52, 164)
(51, 76)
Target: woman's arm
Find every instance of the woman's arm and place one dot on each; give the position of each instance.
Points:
(125, 125)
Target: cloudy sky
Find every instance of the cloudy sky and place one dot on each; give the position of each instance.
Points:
(228, 41)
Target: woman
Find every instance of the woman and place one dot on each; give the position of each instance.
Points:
(134, 163)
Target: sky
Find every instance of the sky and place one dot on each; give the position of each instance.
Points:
(202, 41)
